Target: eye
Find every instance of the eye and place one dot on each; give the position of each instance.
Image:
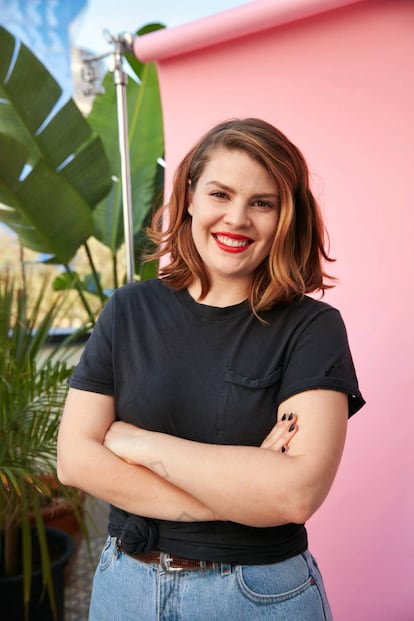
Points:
(262, 204)
(218, 194)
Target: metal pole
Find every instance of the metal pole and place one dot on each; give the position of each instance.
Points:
(123, 43)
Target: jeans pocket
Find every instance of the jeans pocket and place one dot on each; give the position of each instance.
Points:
(108, 553)
(319, 584)
(276, 582)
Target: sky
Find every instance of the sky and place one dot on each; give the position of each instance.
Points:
(119, 16)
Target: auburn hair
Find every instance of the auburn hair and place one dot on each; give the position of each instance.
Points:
(294, 266)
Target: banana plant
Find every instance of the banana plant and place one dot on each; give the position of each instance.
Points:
(53, 169)
(60, 172)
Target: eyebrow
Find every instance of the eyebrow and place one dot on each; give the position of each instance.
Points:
(223, 186)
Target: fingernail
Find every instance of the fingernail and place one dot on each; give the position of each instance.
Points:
(283, 449)
(284, 417)
(291, 415)
(291, 428)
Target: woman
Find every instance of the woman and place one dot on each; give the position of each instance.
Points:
(210, 405)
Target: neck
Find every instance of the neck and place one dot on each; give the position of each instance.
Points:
(219, 296)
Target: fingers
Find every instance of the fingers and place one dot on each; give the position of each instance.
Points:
(282, 433)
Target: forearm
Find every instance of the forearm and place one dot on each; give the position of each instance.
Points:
(84, 462)
(136, 489)
(249, 485)
(258, 486)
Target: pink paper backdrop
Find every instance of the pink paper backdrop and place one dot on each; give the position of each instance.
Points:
(339, 84)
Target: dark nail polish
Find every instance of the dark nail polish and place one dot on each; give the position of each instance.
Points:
(291, 415)
(283, 449)
(291, 428)
(284, 417)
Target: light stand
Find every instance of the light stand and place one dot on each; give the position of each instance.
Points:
(121, 43)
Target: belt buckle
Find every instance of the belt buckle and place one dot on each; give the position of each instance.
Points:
(165, 562)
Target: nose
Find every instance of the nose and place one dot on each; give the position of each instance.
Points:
(237, 215)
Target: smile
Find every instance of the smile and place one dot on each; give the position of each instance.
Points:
(232, 243)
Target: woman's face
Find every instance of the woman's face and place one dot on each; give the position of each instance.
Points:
(234, 209)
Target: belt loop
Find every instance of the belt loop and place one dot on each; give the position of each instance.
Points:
(117, 545)
(225, 569)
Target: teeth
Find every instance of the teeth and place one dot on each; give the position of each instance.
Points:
(234, 243)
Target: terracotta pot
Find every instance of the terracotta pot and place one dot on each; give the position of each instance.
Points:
(59, 513)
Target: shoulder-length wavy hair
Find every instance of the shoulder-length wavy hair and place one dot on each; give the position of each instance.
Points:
(294, 265)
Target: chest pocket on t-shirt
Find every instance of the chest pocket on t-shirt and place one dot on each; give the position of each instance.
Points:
(249, 407)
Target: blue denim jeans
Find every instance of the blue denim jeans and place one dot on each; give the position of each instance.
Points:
(125, 589)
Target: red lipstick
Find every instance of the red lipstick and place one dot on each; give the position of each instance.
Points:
(232, 242)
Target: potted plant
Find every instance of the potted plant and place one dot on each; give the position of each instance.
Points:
(33, 385)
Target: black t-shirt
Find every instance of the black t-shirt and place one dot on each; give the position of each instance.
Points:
(214, 375)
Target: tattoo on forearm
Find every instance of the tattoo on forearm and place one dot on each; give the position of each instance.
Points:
(159, 468)
(186, 517)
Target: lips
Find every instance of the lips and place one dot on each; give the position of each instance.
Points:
(231, 242)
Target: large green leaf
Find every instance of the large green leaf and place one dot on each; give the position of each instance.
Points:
(28, 93)
(70, 171)
(45, 211)
(146, 146)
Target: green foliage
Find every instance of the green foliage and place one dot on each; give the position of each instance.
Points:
(60, 179)
(33, 387)
(53, 169)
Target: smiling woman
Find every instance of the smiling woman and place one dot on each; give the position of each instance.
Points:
(203, 397)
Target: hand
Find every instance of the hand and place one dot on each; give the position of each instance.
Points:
(127, 441)
(281, 434)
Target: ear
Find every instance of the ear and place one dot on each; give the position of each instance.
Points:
(190, 209)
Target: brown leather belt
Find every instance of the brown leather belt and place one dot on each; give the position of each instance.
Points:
(169, 563)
